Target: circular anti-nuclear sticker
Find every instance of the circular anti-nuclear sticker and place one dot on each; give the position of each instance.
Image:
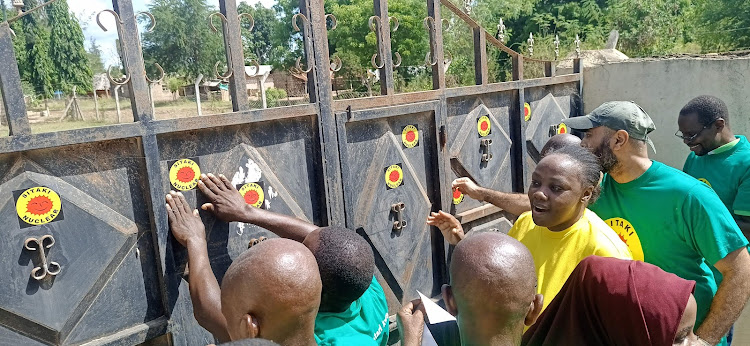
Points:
(253, 194)
(562, 128)
(526, 111)
(184, 174)
(628, 235)
(38, 205)
(410, 136)
(458, 197)
(394, 176)
(483, 126)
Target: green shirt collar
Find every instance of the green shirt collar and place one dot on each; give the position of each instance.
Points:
(724, 147)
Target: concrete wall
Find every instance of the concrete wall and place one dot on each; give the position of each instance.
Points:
(662, 87)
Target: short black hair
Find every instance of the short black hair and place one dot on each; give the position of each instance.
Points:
(708, 108)
(250, 342)
(590, 167)
(346, 264)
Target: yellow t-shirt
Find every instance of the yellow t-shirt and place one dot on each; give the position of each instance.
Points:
(556, 254)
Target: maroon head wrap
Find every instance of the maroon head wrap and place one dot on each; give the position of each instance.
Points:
(608, 301)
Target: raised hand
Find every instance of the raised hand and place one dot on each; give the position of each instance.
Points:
(226, 202)
(185, 224)
(448, 225)
(411, 323)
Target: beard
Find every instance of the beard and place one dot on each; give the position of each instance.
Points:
(607, 158)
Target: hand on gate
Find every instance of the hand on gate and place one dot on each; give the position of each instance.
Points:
(185, 224)
(468, 187)
(226, 202)
(448, 225)
(411, 322)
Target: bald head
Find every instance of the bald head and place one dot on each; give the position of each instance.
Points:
(272, 291)
(493, 287)
(558, 141)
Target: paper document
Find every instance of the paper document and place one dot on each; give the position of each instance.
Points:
(435, 314)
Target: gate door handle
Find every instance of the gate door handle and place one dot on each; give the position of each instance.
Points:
(398, 208)
(487, 156)
(46, 268)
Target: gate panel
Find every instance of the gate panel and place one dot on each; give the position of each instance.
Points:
(280, 159)
(85, 205)
(479, 142)
(548, 107)
(389, 164)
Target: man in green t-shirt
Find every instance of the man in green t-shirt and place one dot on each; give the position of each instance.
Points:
(666, 217)
(353, 309)
(718, 157)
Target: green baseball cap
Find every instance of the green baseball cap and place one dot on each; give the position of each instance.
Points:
(617, 115)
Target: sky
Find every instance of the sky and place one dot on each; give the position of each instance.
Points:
(86, 10)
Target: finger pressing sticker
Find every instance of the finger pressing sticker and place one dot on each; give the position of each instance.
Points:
(184, 174)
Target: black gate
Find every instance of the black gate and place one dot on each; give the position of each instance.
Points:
(87, 254)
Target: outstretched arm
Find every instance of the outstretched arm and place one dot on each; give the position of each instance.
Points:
(188, 230)
(228, 205)
(514, 203)
(730, 298)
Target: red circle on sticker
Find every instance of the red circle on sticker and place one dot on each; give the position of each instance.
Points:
(251, 197)
(456, 194)
(563, 130)
(39, 205)
(393, 177)
(411, 136)
(485, 126)
(185, 174)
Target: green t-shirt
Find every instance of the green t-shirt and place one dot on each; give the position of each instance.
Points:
(671, 220)
(365, 322)
(727, 171)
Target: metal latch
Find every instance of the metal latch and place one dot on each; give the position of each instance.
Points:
(398, 208)
(485, 144)
(45, 268)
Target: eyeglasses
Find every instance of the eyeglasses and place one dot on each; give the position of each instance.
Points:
(682, 136)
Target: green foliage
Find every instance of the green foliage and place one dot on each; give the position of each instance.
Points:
(722, 25)
(273, 96)
(96, 63)
(268, 43)
(174, 84)
(67, 53)
(38, 68)
(182, 42)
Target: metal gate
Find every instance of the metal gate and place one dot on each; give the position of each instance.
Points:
(87, 254)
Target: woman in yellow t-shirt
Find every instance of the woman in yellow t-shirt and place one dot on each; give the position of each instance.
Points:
(559, 230)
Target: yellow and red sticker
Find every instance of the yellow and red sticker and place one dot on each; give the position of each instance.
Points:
(705, 182)
(253, 194)
(394, 176)
(526, 111)
(483, 126)
(458, 197)
(628, 235)
(562, 128)
(184, 174)
(410, 136)
(38, 206)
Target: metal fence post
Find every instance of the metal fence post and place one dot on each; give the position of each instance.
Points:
(234, 47)
(130, 44)
(10, 83)
(384, 47)
(518, 128)
(480, 56)
(436, 44)
(320, 88)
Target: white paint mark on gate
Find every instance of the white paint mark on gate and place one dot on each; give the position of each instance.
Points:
(253, 172)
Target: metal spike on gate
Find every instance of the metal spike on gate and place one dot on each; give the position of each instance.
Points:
(530, 41)
(557, 46)
(578, 47)
(501, 31)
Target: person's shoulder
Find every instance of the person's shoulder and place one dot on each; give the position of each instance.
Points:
(347, 340)
(671, 178)
(606, 240)
(523, 224)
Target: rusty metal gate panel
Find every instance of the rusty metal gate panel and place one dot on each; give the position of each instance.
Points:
(479, 147)
(85, 207)
(545, 110)
(389, 157)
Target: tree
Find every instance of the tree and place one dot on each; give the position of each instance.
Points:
(96, 63)
(19, 46)
(66, 50)
(722, 25)
(269, 41)
(39, 68)
(182, 41)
